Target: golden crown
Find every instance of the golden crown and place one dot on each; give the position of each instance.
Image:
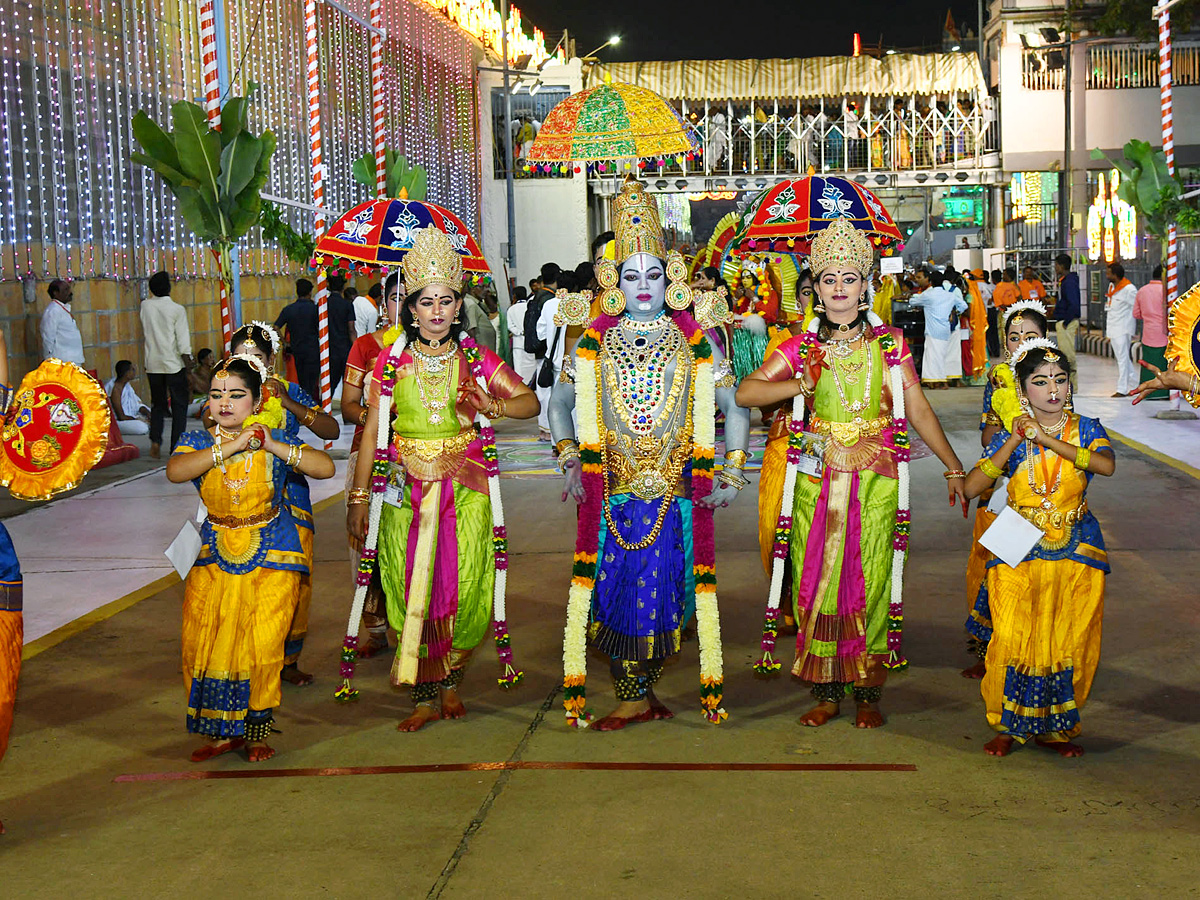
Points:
(431, 260)
(841, 246)
(636, 223)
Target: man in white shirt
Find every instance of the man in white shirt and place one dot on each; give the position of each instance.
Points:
(60, 335)
(366, 309)
(168, 349)
(1119, 327)
(522, 362)
(128, 409)
(554, 338)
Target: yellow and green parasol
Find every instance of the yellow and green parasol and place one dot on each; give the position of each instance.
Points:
(612, 122)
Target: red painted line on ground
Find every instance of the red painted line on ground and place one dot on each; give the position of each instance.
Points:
(202, 774)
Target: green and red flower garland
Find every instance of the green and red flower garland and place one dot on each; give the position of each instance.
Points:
(897, 436)
(385, 454)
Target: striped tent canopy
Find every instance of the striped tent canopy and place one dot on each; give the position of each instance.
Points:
(809, 78)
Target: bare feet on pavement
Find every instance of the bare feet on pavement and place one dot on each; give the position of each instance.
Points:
(421, 716)
(292, 675)
(452, 706)
(868, 716)
(215, 748)
(627, 712)
(1065, 749)
(258, 751)
(820, 714)
(1000, 745)
(976, 671)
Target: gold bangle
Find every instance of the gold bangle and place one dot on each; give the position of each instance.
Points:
(989, 468)
(362, 416)
(954, 473)
(216, 454)
(300, 448)
(291, 457)
(805, 390)
(358, 495)
(561, 446)
(736, 459)
(1083, 458)
(310, 416)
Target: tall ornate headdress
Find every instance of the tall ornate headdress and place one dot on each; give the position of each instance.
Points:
(431, 260)
(636, 223)
(842, 246)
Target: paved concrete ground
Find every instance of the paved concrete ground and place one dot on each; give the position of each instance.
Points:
(1120, 822)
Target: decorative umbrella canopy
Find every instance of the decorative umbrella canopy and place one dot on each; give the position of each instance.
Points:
(377, 234)
(786, 217)
(609, 122)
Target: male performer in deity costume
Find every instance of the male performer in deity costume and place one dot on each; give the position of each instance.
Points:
(645, 384)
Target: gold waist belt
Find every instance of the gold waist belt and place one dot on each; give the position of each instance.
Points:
(1053, 519)
(244, 521)
(432, 459)
(850, 433)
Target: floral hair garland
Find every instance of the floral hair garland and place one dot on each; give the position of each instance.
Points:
(899, 439)
(583, 574)
(385, 455)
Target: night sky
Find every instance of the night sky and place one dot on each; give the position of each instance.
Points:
(745, 29)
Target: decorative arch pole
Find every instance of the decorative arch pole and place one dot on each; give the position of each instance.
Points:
(210, 58)
(377, 38)
(318, 176)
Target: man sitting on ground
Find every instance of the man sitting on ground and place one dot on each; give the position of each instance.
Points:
(132, 415)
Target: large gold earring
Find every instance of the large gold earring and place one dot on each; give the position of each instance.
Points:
(612, 301)
(679, 292)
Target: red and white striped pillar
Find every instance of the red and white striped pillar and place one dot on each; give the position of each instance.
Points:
(212, 106)
(377, 95)
(318, 175)
(1170, 281)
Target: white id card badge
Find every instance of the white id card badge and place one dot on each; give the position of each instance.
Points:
(812, 454)
(1011, 537)
(394, 492)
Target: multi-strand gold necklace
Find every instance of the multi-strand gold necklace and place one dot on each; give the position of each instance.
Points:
(433, 380)
(235, 486)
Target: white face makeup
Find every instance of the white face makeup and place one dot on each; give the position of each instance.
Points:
(434, 311)
(840, 291)
(644, 284)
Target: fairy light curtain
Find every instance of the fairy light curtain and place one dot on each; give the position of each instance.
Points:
(72, 74)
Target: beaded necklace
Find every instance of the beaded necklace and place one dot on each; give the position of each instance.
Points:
(235, 486)
(846, 368)
(433, 380)
(635, 377)
(1046, 490)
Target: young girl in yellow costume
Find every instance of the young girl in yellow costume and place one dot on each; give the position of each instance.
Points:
(1045, 612)
(1024, 319)
(241, 593)
(287, 406)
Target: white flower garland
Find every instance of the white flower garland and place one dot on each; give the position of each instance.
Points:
(579, 597)
(708, 620)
